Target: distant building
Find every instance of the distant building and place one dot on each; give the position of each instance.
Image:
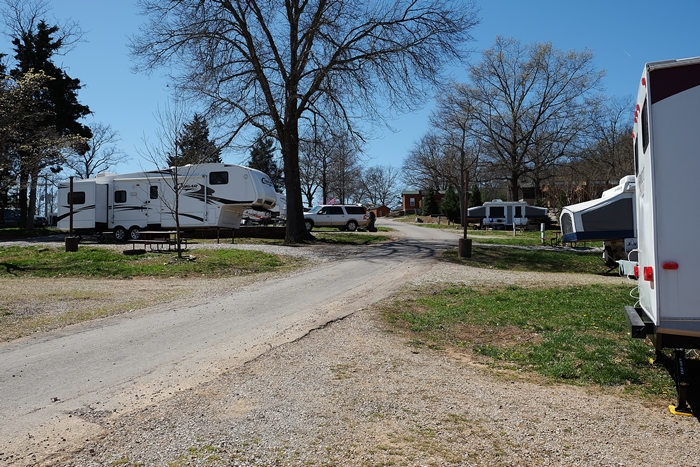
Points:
(380, 211)
(412, 200)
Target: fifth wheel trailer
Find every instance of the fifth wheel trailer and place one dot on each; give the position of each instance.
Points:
(210, 196)
(667, 164)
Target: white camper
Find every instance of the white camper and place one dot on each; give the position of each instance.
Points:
(610, 219)
(500, 214)
(210, 196)
(667, 163)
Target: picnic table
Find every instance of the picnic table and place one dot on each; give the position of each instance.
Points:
(159, 240)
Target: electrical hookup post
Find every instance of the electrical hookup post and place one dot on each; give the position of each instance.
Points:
(465, 244)
(71, 241)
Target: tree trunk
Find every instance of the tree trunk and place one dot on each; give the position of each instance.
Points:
(31, 208)
(22, 198)
(513, 188)
(296, 230)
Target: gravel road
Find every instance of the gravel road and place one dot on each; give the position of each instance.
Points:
(353, 393)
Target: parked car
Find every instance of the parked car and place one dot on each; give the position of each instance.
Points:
(10, 218)
(41, 221)
(343, 216)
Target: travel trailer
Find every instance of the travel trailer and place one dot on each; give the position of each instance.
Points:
(500, 215)
(610, 219)
(666, 162)
(210, 196)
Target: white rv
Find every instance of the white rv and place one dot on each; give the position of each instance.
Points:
(667, 163)
(210, 195)
(500, 214)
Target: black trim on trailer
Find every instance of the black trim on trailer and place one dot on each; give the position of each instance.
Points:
(673, 80)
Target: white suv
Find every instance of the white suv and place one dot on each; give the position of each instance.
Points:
(344, 217)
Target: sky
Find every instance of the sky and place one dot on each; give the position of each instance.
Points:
(622, 34)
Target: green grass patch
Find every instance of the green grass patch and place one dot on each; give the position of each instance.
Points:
(520, 259)
(569, 334)
(95, 262)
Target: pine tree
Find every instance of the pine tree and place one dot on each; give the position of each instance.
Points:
(194, 145)
(262, 158)
(430, 206)
(57, 102)
(475, 197)
(450, 204)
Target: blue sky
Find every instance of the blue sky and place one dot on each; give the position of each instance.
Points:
(623, 35)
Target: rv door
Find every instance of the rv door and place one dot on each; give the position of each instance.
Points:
(131, 203)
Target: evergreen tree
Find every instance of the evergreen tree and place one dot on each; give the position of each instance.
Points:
(430, 206)
(475, 197)
(450, 204)
(58, 104)
(262, 158)
(194, 145)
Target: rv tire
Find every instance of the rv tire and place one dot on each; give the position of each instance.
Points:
(134, 233)
(119, 233)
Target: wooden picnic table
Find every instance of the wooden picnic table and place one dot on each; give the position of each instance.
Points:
(157, 240)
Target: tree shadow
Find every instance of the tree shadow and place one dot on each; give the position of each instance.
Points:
(11, 268)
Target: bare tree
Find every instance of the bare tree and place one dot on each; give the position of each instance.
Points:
(343, 170)
(267, 64)
(380, 184)
(608, 152)
(166, 147)
(528, 102)
(452, 120)
(21, 17)
(426, 164)
(101, 155)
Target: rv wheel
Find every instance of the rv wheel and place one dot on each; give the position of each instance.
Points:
(119, 233)
(134, 233)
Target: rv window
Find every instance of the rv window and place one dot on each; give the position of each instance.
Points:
(645, 127)
(154, 192)
(497, 211)
(218, 178)
(78, 197)
(120, 196)
(518, 212)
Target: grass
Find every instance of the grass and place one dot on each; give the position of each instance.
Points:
(95, 262)
(518, 259)
(576, 334)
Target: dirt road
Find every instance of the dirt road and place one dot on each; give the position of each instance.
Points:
(122, 363)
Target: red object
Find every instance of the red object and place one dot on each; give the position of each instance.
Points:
(648, 273)
(644, 81)
(636, 270)
(670, 266)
